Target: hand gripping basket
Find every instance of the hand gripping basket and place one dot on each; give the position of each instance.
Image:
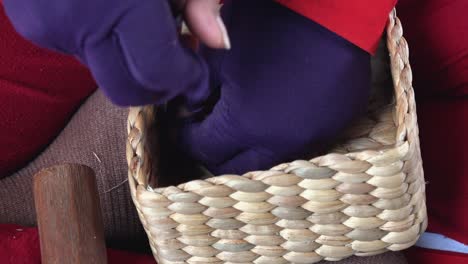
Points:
(365, 197)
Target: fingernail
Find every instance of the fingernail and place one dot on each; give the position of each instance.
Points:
(226, 41)
(184, 29)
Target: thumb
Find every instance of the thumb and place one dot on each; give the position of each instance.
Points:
(204, 21)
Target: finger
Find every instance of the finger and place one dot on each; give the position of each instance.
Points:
(204, 21)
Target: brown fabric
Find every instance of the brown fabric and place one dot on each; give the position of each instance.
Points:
(95, 136)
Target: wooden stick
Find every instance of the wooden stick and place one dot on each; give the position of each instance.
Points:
(69, 215)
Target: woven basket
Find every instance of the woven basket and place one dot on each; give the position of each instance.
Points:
(365, 197)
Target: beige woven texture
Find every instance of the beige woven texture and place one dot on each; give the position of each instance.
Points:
(365, 197)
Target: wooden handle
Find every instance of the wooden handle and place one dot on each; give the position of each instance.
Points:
(69, 215)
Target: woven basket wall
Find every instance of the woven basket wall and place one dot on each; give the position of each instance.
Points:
(364, 197)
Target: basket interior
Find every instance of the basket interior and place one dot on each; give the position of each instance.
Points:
(376, 130)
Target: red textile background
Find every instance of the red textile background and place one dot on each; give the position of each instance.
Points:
(361, 22)
(39, 91)
(20, 245)
(417, 255)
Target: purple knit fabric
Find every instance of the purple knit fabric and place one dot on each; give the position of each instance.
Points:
(287, 87)
(131, 47)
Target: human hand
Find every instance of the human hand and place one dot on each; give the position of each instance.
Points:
(132, 48)
(204, 21)
(202, 24)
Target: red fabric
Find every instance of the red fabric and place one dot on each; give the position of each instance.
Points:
(39, 90)
(416, 255)
(20, 245)
(361, 22)
(444, 144)
(437, 33)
